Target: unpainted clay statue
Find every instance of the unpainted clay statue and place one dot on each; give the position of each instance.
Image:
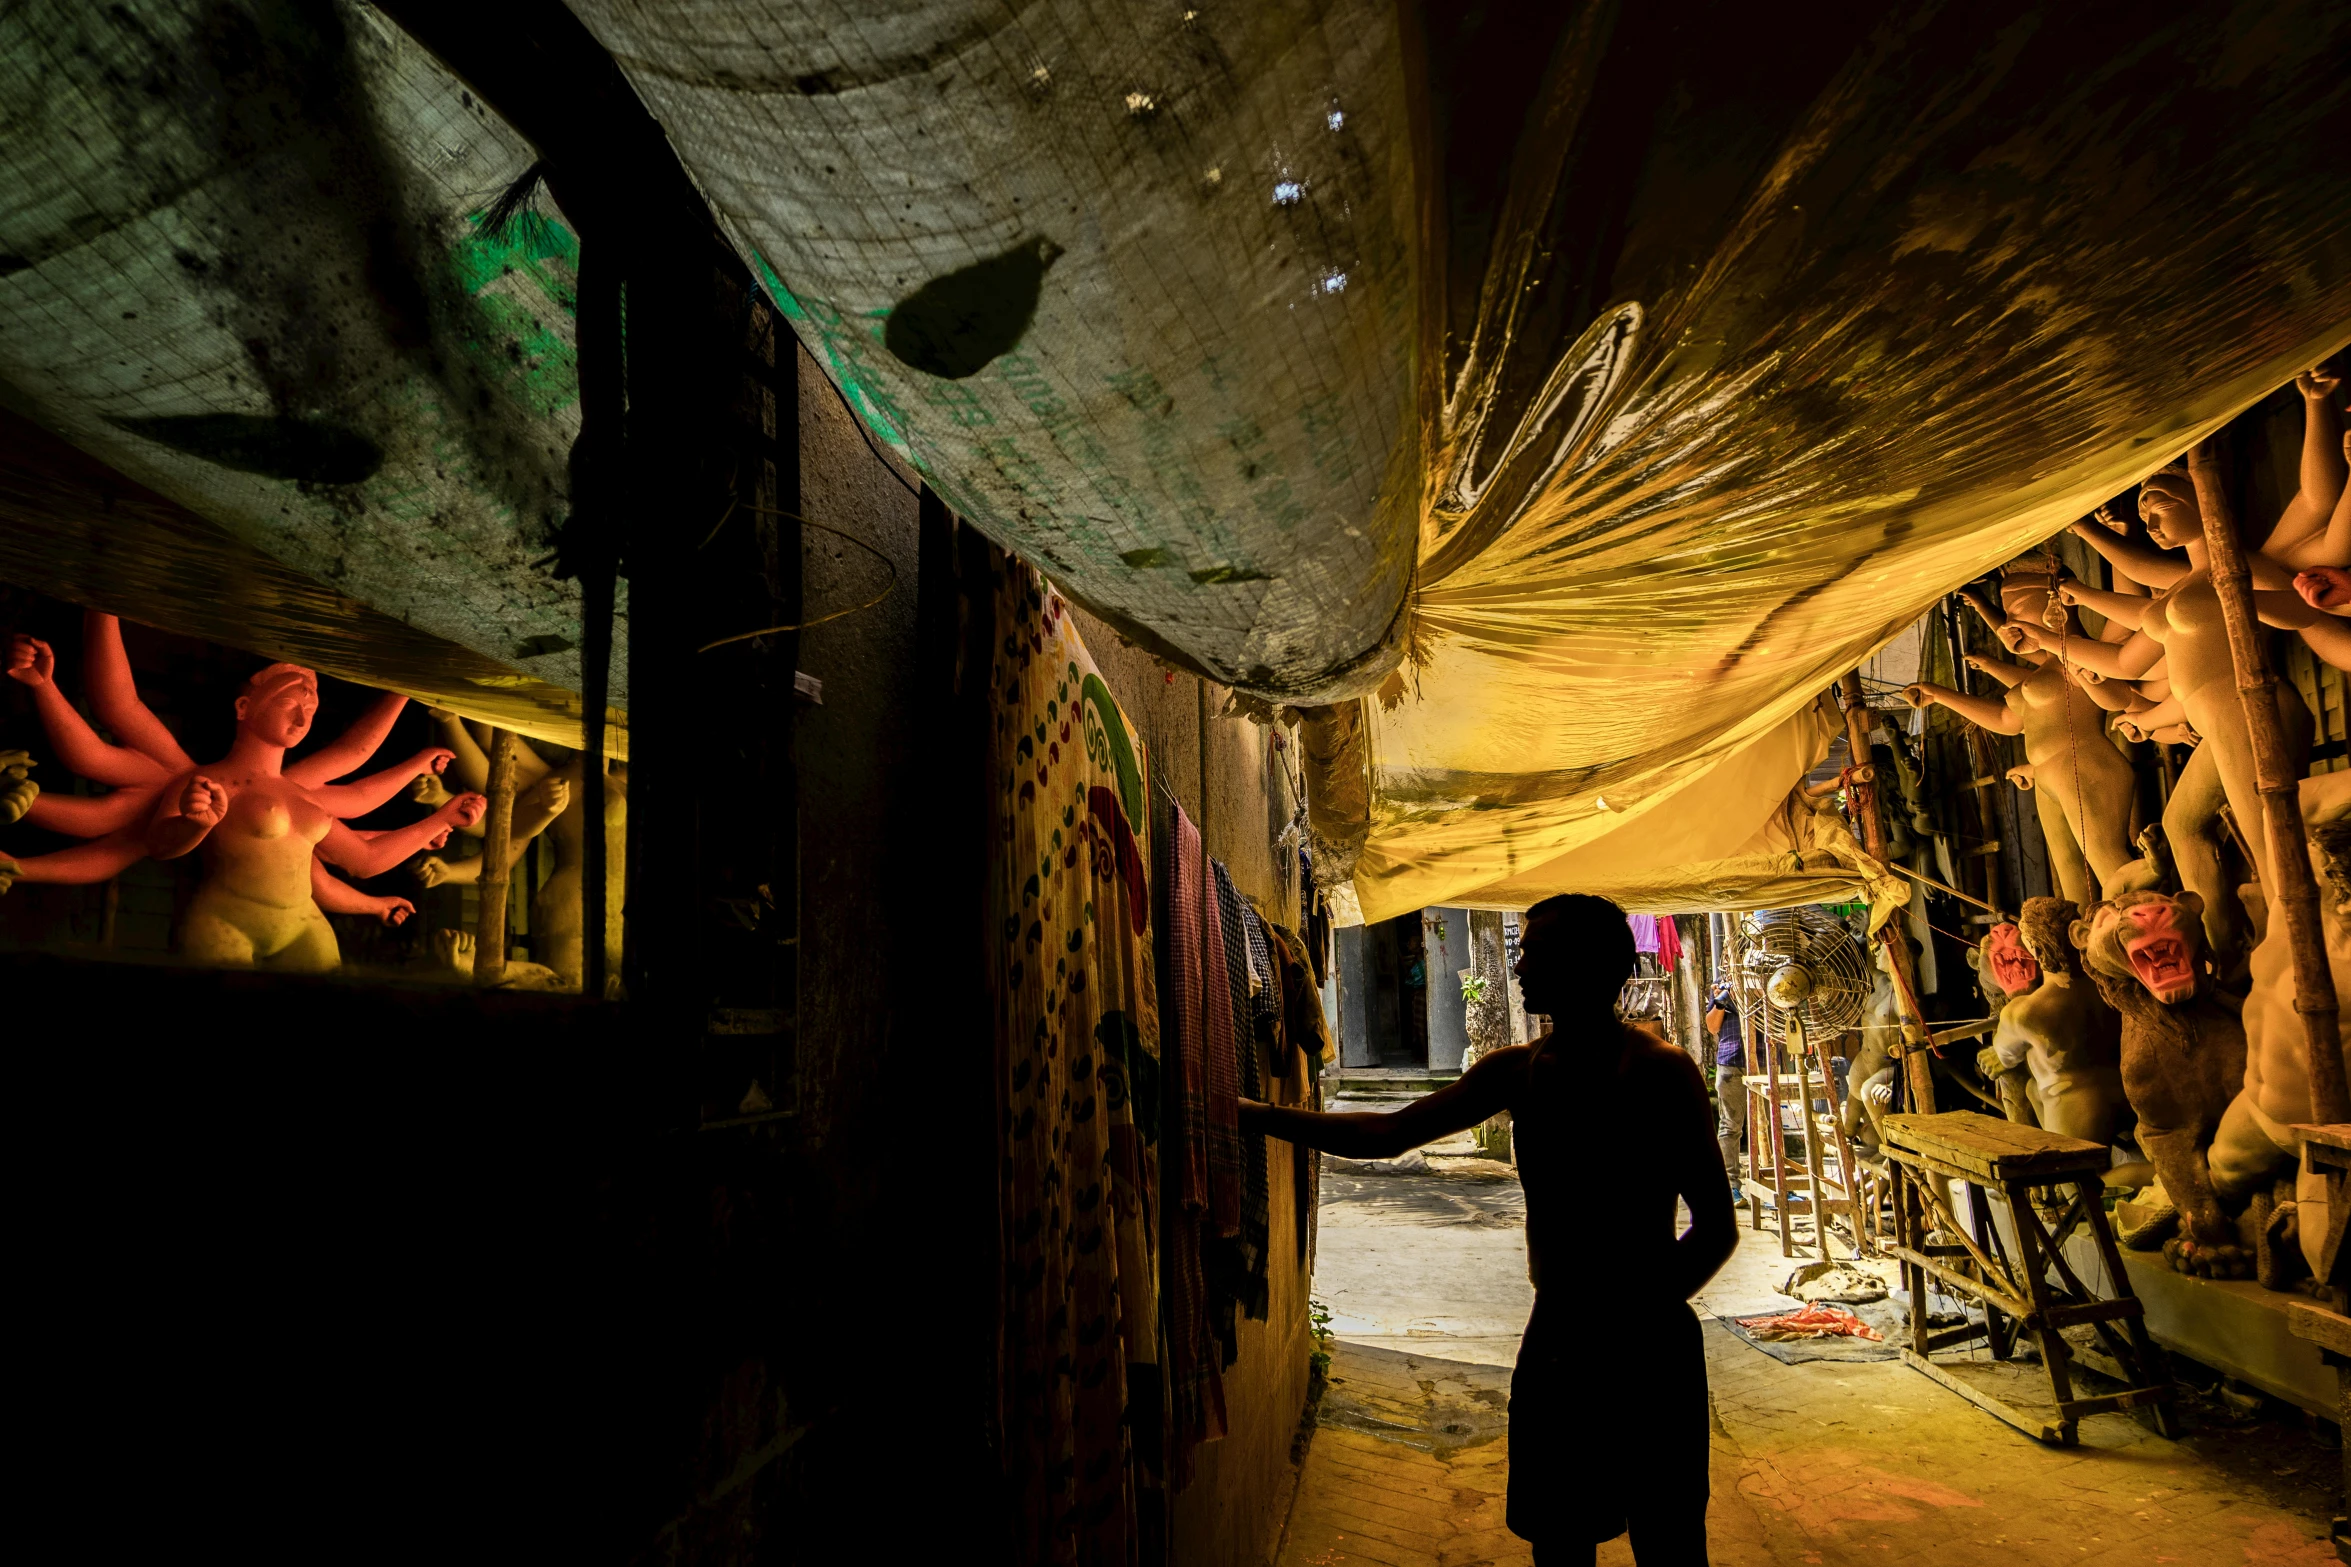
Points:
(257, 818)
(2183, 1058)
(1869, 1076)
(454, 950)
(2004, 972)
(2182, 625)
(2083, 787)
(558, 921)
(17, 789)
(2062, 1030)
(2256, 1142)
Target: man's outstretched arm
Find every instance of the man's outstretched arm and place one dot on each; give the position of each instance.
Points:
(1482, 1091)
(1713, 1234)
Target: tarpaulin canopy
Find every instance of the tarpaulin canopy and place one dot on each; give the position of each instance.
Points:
(1642, 367)
(245, 260)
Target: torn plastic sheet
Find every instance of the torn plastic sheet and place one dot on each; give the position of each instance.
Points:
(244, 261)
(1132, 287)
(1675, 356)
(1917, 288)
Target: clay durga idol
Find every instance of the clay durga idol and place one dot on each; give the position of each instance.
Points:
(261, 822)
(2083, 786)
(2060, 1030)
(2256, 1144)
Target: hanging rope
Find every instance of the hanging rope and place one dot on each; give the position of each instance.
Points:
(888, 588)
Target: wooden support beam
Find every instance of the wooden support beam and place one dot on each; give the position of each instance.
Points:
(489, 939)
(2293, 890)
(1917, 1066)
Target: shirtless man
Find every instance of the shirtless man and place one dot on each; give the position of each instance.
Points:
(1612, 1126)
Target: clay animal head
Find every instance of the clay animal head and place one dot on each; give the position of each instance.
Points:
(2043, 930)
(2154, 938)
(2007, 962)
(2168, 505)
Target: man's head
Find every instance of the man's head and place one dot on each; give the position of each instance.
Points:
(1575, 956)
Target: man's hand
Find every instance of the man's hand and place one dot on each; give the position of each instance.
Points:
(30, 662)
(2324, 587)
(465, 810)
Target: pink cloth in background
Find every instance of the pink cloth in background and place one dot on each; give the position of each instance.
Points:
(1655, 935)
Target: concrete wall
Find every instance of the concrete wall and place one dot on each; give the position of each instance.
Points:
(1350, 979)
(1445, 939)
(1223, 774)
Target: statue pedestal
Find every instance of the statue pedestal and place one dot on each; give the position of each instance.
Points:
(2232, 1325)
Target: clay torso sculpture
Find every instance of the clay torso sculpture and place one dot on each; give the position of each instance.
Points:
(2083, 787)
(557, 916)
(2004, 970)
(2183, 1057)
(2256, 1143)
(2063, 1032)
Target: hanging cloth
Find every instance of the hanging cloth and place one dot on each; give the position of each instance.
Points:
(1644, 932)
(1078, 1044)
(1253, 1227)
(1669, 943)
(1195, 1381)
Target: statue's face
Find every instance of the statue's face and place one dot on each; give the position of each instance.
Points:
(2028, 598)
(2167, 504)
(2013, 968)
(279, 708)
(2161, 947)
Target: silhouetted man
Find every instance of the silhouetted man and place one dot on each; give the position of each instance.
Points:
(1608, 1420)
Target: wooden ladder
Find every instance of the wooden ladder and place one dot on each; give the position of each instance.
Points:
(2036, 1291)
(1767, 1149)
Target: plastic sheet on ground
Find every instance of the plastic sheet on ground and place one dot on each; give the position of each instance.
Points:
(244, 261)
(1640, 368)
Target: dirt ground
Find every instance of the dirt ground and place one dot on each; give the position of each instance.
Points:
(1422, 1265)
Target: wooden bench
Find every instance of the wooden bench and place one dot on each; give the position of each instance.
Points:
(2035, 1291)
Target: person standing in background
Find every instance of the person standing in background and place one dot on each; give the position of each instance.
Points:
(1730, 1079)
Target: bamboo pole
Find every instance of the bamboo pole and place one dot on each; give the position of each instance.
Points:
(489, 941)
(1917, 1068)
(2293, 891)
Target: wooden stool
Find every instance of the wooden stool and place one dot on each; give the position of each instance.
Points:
(2036, 1292)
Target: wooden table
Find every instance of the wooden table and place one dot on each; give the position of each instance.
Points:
(2035, 1291)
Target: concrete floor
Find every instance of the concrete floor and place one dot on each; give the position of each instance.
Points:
(1422, 1264)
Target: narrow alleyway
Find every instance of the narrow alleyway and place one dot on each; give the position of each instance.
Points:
(1421, 1262)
